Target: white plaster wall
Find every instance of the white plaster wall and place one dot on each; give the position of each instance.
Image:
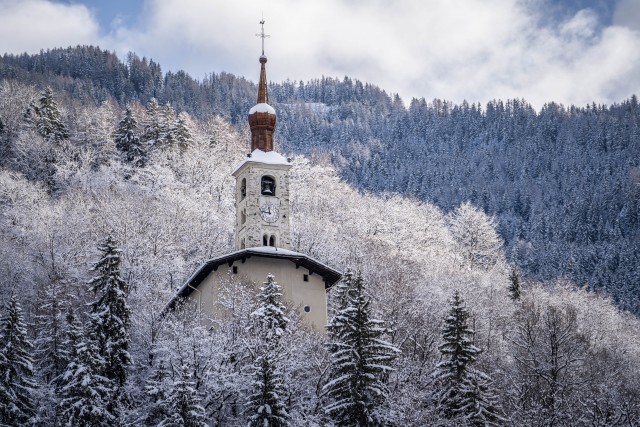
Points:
(296, 291)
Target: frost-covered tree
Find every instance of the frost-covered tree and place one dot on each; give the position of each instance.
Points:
(476, 235)
(157, 393)
(84, 391)
(266, 405)
(463, 393)
(158, 127)
(50, 327)
(127, 141)
(183, 136)
(515, 289)
(17, 385)
(110, 316)
(183, 403)
(361, 362)
(339, 296)
(46, 117)
(270, 315)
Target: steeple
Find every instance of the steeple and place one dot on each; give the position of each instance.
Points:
(262, 117)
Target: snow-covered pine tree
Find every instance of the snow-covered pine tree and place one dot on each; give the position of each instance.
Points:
(183, 137)
(110, 316)
(167, 126)
(270, 315)
(50, 326)
(157, 127)
(47, 118)
(127, 141)
(361, 361)
(463, 393)
(17, 385)
(515, 289)
(183, 404)
(266, 405)
(339, 296)
(84, 392)
(157, 394)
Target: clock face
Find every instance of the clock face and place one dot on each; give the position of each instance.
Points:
(269, 212)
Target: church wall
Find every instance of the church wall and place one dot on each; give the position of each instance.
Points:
(296, 291)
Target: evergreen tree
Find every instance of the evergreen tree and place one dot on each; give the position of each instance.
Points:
(154, 128)
(110, 316)
(127, 142)
(17, 384)
(156, 392)
(270, 315)
(340, 293)
(47, 118)
(463, 393)
(182, 133)
(361, 360)
(183, 403)
(515, 290)
(266, 405)
(50, 325)
(84, 392)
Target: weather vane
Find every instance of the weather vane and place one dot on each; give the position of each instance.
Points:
(262, 35)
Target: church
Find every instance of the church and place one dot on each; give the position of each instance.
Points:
(262, 230)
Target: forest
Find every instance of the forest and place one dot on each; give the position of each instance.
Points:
(563, 183)
(494, 299)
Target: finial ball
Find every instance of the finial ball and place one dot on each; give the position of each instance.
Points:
(263, 59)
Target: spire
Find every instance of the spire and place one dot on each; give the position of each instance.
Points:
(263, 95)
(262, 117)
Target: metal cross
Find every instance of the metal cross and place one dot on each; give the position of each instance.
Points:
(262, 35)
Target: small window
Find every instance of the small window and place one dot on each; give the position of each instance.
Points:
(235, 269)
(243, 189)
(305, 277)
(242, 244)
(243, 216)
(264, 240)
(307, 309)
(272, 241)
(268, 186)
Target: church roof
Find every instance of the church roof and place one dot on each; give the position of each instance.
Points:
(329, 275)
(259, 156)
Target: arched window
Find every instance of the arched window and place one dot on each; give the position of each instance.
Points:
(243, 189)
(272, 241)
(264, 240)
(268, 186)
(243, 216)
(242, 244)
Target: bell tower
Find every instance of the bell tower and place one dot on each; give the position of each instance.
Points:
(262, 178)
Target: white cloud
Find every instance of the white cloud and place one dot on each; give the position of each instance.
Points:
(32, 25)
(469, 49)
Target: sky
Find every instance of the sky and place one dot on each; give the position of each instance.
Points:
(567, 51)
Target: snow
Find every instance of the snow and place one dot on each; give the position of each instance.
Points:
(266, 157)
(262, 108)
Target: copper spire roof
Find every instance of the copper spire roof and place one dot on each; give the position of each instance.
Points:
(262, 117)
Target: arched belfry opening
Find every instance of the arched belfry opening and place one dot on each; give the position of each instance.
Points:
(243, 189)
(268, 186)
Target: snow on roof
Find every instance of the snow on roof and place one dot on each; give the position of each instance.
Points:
(274, 250)
(262, 108)
(259, 156)
(330, 275)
